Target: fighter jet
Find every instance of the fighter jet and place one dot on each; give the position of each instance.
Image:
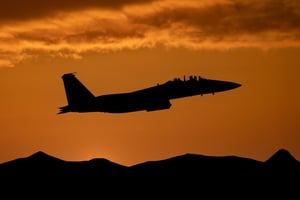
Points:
(156, 97)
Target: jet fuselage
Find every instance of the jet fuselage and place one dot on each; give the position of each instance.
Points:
(153, 98)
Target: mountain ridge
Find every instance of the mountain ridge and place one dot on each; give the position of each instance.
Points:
(278, 156)
(184, 175)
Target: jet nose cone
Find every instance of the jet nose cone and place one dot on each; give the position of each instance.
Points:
(236, 85)
(231, 85)
(219, 86)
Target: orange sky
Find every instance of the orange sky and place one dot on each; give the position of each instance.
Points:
(126, 45)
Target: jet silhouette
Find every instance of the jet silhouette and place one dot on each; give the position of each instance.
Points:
(158, 97)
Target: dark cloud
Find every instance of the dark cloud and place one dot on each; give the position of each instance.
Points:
(192, 24)
(231, 18)
(20, 10)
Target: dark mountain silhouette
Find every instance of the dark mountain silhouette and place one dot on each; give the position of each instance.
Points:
(282, 158)
(188, 176)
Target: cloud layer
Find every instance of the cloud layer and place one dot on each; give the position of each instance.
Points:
(71, 28)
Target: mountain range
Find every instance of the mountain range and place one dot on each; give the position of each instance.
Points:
(187, 176)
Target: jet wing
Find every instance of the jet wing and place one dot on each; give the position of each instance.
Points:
(158, 104)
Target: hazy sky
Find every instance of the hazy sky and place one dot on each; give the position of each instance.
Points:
(125, 45)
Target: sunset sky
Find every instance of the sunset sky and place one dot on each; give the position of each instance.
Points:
(126, 45)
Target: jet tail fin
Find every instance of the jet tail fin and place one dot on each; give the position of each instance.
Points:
(77, 94)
